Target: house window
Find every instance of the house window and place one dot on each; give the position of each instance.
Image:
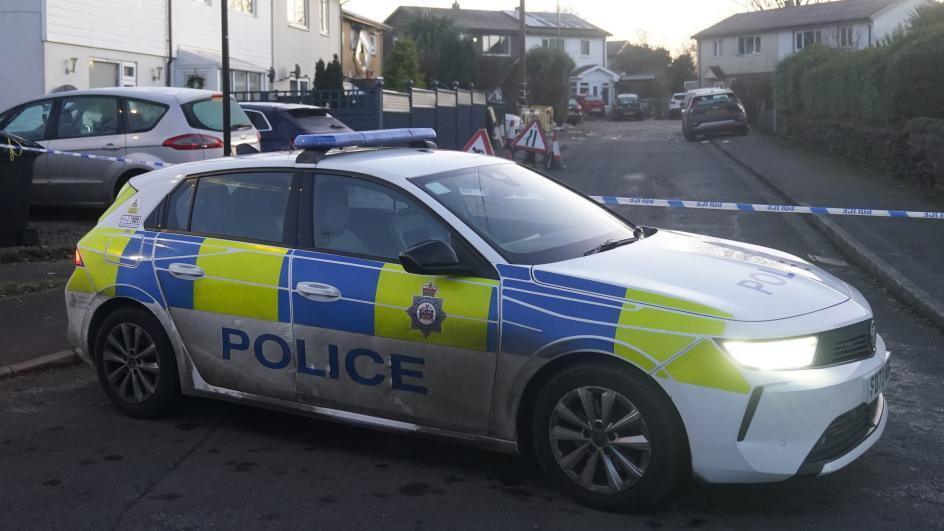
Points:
(718, 49)
(557, 44)
(748, 45)
(324, 17)
(495, 45)
(246, 81)
(807, 38)
(129, 74)
(297, 12)
(299, 85)
(584, 47)
(373, 44)
(243, 6)
(584, 88)
(847, 37)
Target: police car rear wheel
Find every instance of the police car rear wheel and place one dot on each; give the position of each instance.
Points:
(608, 437)
(135, 363)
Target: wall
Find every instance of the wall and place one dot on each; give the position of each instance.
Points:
(57, 55)
(138, 26)
(572, 47)
(375, 60)
(21, 29)
(733, 64)
(887, 21)
(292, 45)
(197, 25)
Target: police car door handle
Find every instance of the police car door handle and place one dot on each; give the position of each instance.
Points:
(318, 292)
(185, 271)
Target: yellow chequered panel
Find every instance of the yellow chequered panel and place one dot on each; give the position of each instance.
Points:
(465, 302)
(706, 365)
(123, 196)
(649, 349)
(101, 251)
(80, 282)
(241, 279)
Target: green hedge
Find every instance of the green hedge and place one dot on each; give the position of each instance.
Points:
(878, 86)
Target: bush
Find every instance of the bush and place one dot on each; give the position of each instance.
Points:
(916, 75)
(548, 71)
(850, 86)
(788, 90)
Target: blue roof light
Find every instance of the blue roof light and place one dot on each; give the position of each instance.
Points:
(379, 137)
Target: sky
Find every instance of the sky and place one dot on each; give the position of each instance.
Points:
(662, 23)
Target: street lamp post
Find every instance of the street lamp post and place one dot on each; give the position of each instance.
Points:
(523, 97)
(224, 23)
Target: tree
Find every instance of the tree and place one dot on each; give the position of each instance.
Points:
(642, 59)
(333, 76)
(403, 66)
(320, 74)
(432, 35)
(681, 70)
(927, 16)
(458, 62)
(765, 5)
(548, 71)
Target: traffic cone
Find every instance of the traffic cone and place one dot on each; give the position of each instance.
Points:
(555, 161)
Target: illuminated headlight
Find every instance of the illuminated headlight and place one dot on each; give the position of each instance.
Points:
(773, 355)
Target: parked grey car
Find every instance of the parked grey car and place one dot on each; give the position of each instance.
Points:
(712, 110)
(155, 124)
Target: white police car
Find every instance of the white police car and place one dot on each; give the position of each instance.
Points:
(466, 296)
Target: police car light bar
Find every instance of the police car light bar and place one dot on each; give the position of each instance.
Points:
(379, 137)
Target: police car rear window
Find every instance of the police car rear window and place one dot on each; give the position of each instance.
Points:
(249, 206)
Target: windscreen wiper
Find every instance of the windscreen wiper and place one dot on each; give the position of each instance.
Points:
(610, 244)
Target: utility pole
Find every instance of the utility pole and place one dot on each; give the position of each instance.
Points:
(224, 23)
(523, 97)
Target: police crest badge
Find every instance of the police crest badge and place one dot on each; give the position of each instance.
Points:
(427, 313)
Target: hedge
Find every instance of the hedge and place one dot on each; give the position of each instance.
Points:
(879, 86)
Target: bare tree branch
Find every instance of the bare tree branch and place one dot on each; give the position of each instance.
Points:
(765, 5)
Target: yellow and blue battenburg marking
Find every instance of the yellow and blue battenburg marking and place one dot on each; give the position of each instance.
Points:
(555, 313)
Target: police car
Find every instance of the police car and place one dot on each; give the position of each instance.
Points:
(459, 295)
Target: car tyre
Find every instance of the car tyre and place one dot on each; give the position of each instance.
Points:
(135, 363)
(637, 454)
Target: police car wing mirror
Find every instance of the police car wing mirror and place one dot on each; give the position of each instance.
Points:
(432, 257)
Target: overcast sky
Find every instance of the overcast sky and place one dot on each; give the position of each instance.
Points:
(660, 22)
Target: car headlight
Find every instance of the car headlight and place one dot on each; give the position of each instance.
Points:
(774, 355)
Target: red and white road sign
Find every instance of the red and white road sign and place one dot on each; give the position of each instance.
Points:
(479, 143)
(531, 139)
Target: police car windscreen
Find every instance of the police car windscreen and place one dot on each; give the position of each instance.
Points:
(527, 217)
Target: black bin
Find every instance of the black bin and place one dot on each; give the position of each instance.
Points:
(16, 181)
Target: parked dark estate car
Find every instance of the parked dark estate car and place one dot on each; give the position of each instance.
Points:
(280, 123)
(712, 110)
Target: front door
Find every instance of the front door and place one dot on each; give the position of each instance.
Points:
(89, 125)
(222, 261)
(374, 339)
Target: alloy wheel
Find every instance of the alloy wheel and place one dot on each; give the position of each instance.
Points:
(131, 363)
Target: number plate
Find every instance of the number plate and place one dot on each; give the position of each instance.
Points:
(875, 382)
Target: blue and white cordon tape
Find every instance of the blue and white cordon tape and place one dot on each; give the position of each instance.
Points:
(605, 199)
(754, 207)
(14, 148)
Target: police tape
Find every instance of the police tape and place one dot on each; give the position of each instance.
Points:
(605, 199)
(14, 148)
(753, 207)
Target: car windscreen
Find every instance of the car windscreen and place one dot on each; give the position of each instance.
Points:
(528, 218)
(627, 99)
(315, 120)
(208, 114)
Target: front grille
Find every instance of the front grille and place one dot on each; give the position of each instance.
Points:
(844, 434)
(845, 345)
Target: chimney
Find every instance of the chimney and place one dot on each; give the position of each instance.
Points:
(455, 5)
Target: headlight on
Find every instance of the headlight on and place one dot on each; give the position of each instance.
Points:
(773, 355)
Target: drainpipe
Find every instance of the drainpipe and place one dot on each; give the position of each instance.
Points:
(170, 42)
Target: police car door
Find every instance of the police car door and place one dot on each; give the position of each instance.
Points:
(374, 339)
(222, 264)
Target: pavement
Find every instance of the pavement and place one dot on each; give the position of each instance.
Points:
(906, 254)
(70, 460)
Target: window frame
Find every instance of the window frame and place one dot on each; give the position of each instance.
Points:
(754, 40)
(120, 128)
(264, 117)
(844, 33)
(487, 37)
(324, 23)
(253, 8)
(305, 239)
(289, 12)
(718, 47)
(800, 36)
(546, 42)
(49, 131)
(157, 220)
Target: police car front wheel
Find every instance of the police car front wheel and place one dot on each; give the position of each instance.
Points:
(609, 437)
(135, 363)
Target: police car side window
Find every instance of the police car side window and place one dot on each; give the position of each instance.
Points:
(357, 216)
(245, 206)
(178, 206)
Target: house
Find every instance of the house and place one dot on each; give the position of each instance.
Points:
(303, 31)
(362, 46)
(750, 45)
(195, 43)
(581, 40)
(594, 80)
(59, 43)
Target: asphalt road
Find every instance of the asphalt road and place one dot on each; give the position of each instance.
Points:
(69, 460)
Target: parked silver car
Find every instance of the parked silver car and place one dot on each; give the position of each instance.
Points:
(156, 124)
(712, 110)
